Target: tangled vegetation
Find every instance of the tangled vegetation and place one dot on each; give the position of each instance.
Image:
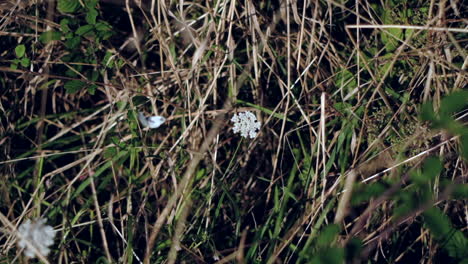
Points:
(119, 129)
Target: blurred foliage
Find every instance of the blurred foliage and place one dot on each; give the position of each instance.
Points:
(372, 94)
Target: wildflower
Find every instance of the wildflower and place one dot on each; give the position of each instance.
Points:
(38, 234)
(152, 121)
(246, 124)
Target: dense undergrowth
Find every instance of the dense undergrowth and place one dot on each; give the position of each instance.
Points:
(360, 157)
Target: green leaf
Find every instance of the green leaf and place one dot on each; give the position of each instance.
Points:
(25, 62)
(390, 36)
(331, 255)
(110, 152)
(328, 235)
(453, 240)
(84, 29)
(410, 199)
(90, 3)
(74, 86)
(364, 192)
(453, 103)
(91, 16)
(94, 76)
(431, 168)
(49, 36)
(108, 58)
(409, 33)
(346, 79)
(384, 69)
(353, 249)
(74, 42)
(393, 35)
(103, 26)
(105, 34)
(20, 50)
(121, 105)
(47, 84)
(200, 174)
(64, 25)
(464, 146)
(68, 6)
(437, 222)
(92, 89)
(427, 112)
(456, 245)
(460, 191)
(139, 100)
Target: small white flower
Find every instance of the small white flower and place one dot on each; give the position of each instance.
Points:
(152, 121)
(246, 124)
(38, 234)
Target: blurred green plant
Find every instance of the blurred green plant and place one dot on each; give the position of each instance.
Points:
(444, 119)
(21, 58)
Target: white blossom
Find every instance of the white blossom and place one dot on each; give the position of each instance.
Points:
(246, 124)
(38, 234)
(152, 121)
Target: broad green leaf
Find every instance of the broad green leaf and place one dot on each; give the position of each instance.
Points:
(90, 3)
(25, 62)
(390, 36)
(200, 174)
(84, 29)
(108, 58)
(328, 235)
(20, 50)
(332, 255)
(49, 36)
(453, 103)
(74, 86)
(346, 79)
(431, 168)
(437, 222)
(460, 191)
(453, 240)
(64, 25)
(427, 112)
(364, 192)
(457, 245)
(68, 6)
(121, 105)
(409, 33)
(353, 249)
(91, 16)
(94, 76)
(92, 89)
(72, 43)
(103, 26)
(110, 152)
(464, 146)
(105, 34)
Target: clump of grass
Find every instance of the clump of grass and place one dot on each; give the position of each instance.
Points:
(115, 127)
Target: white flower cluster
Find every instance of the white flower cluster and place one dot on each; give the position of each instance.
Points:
(38, 234)
(246, 124)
